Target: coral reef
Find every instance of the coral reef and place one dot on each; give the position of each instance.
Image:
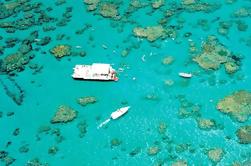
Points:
(244, 134)
(108, 10)
(168, 60)
(214, 54)
(35, 162)
(242, 12)
(206, 124)
(151, 33)
(162, 127)
(15, 62)
(61, 50)
(82, 127)
(115, 142)
(92, 4)
(188, 109)
(215, 154)
(199, 6)
(33, 15)
(135, 151)
(4, 157)
(64, 114)
(16, 93)
(83, 101)
(24, 148)
(180, 163)
(53, 150)
(236, 105)
(153, 150)
(158, 3)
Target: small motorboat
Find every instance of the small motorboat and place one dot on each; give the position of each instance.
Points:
(119, 112)
(115, 115)
(185, 75)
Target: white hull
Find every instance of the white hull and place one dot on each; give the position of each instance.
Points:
(185, 75)
(119, 112)
(102, 72)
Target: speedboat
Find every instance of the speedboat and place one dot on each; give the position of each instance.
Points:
(115, 115)
(119, 112)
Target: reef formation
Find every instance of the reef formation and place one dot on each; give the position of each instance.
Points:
(236, 105)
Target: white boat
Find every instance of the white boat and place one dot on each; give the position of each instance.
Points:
(115, 115)
(119, 112)
(96, 71)
(185, 75)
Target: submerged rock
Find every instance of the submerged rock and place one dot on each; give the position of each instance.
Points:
(64, 114)
(60, 51)
(83, 101)
(244, 134)
(215, 154)
(236, 105)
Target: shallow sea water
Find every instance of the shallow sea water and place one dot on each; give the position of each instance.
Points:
(53, 86)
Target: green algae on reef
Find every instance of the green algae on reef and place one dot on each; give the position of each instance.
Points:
(236, 105)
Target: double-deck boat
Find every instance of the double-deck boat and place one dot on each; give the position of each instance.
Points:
(96, 71)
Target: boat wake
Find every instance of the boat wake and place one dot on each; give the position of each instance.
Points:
(103, 123)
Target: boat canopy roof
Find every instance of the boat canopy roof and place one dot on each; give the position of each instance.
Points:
(100, 68)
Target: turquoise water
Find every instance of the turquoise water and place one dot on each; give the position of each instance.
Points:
(53, 86)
